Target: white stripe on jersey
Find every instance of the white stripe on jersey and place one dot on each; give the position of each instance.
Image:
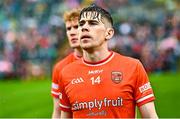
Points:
(100, 63)
(55, 93)
(144, 98)
(63, 106)
(55, 86)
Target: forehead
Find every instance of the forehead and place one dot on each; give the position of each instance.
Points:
(91, 15)
(72, 22)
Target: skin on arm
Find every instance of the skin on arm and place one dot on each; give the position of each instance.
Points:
(56, 111)
(66, 114)
(148, 110)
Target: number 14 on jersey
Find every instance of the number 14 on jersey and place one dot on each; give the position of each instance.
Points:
(95, 80)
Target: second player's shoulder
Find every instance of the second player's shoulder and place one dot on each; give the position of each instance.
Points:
(74, 65)
(68, 59)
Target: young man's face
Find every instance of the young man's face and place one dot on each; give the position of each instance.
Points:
(92, 31)
(72, 33)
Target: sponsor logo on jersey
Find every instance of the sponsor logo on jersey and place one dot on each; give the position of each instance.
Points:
(77, 80)
(145, 87)
(97, 113)
(95, 71)
(116, 76)
(99, 104)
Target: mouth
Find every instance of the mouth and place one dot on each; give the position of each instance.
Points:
(85, 37)
(74, 39)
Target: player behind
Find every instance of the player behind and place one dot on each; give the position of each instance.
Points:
(106, 84)
(71, 23)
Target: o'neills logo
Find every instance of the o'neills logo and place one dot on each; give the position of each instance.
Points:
(116, 76)
(97, 104)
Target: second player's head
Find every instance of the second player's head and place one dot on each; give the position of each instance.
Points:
(71, 23)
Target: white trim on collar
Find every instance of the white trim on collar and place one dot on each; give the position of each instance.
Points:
(99, 64)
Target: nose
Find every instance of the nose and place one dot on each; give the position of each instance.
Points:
(73, 32)
(85, 27)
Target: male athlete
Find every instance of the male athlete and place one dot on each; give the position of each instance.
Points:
(71, 23)
(104, 84)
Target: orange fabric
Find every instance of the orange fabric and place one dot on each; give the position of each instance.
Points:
(107, 89)
(56, 71)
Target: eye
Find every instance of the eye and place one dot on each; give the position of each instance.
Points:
(68, 28)
(81, 23)
(93, 22)
(76, 27)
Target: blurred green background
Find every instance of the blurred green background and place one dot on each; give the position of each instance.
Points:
(31, 98)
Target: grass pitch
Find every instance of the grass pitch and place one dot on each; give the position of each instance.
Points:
(32, 99)
(25, 98)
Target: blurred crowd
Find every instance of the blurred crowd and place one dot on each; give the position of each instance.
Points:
(32, 33)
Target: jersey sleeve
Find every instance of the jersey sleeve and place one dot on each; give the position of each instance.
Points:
(143, 89)
(55, 85)
(64, 103)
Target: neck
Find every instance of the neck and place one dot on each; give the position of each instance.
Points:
(78, 52)
(97, 54)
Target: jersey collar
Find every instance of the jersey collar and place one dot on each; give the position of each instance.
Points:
(99, 63)
(76, 56)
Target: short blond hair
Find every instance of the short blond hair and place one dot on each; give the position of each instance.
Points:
(71, 15)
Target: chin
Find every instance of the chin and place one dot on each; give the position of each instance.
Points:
(75, 45)
(86, 47)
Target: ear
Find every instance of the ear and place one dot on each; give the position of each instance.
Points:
(109, 33)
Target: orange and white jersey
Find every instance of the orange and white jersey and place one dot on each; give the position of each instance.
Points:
(107, 89)
(56, 72)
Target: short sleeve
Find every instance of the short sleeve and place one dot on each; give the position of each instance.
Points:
(143, 89)
(55, 85)
(63, 98)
